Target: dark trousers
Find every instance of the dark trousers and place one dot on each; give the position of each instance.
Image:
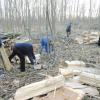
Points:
(22, 61)
(68, 33)
(22, 64)
(21, 57)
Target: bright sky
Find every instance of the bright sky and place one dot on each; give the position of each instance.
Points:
(95, 5)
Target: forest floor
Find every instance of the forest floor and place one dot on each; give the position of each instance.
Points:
(11, 81)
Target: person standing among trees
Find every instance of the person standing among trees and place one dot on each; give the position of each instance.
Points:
(46, 44)
(68, 29)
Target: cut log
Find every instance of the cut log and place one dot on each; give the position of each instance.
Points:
(64, 93)
(75, 63)
(6, 61)
(39, 88)
(91, 79)
(69, 73)
(75, 85)
(91, 91)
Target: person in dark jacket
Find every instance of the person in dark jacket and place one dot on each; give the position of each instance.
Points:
(22, 50)
(46, 44)
(68, 29)
(0, 42)
(99, 41)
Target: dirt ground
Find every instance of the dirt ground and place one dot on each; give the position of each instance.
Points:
(11, 81)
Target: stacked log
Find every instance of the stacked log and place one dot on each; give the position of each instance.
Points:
(75, 63)
(69, 73)
(91, 79)
(88, 38)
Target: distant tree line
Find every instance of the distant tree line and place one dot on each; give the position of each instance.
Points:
(20, 15)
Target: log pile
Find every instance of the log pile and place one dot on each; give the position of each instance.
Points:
(88, 38)
(93, 37)
(56, 88)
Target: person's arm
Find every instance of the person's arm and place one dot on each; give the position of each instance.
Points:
(11, 56)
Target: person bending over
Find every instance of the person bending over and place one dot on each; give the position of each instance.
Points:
(22, 50)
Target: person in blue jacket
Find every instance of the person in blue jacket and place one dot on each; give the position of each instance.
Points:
(22, 50)
(68, 29)
(46, 44)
